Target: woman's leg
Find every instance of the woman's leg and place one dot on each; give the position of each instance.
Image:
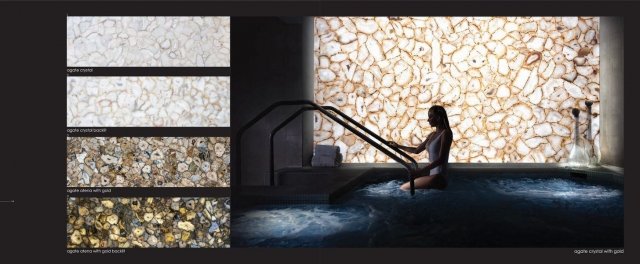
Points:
(425, 182)
(419, 183)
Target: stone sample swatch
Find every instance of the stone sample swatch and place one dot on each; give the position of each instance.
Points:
(148, 162)
(148, 41)
(148, 101)
(508, 83)
(148, 222)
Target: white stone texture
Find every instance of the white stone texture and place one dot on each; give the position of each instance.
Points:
(148, 41)
(148, 101)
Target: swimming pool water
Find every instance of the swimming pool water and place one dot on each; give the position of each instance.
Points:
(471, 212)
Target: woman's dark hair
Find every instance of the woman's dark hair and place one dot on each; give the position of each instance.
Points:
(439, 110)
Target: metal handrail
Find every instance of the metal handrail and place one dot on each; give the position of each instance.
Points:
(376, 136)
(373, 143)
(323, 109)
(272, 135)
(331, 108)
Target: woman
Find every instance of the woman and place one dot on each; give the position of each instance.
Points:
(438, 144)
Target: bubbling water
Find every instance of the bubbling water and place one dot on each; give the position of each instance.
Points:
(553, 188)
(302, 221)
(514, 211)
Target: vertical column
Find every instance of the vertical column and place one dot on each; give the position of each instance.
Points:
(612, 90)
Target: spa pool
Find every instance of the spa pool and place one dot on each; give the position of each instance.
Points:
(474, 211)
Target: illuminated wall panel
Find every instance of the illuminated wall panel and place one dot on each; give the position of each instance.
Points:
(507, 83)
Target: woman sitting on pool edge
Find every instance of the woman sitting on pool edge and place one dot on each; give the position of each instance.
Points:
(438, 144)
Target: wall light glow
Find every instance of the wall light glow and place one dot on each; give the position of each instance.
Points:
(507, 83)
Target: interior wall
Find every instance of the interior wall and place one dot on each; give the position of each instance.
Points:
(268, 69)
(612, 93)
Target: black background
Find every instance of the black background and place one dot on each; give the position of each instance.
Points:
(32, 46)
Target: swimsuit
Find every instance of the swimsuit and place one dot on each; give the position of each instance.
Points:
(433, 146)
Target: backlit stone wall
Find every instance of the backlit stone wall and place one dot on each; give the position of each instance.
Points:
(508, 83)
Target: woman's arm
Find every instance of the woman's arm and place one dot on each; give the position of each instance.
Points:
(414, 150)
(445, 146)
